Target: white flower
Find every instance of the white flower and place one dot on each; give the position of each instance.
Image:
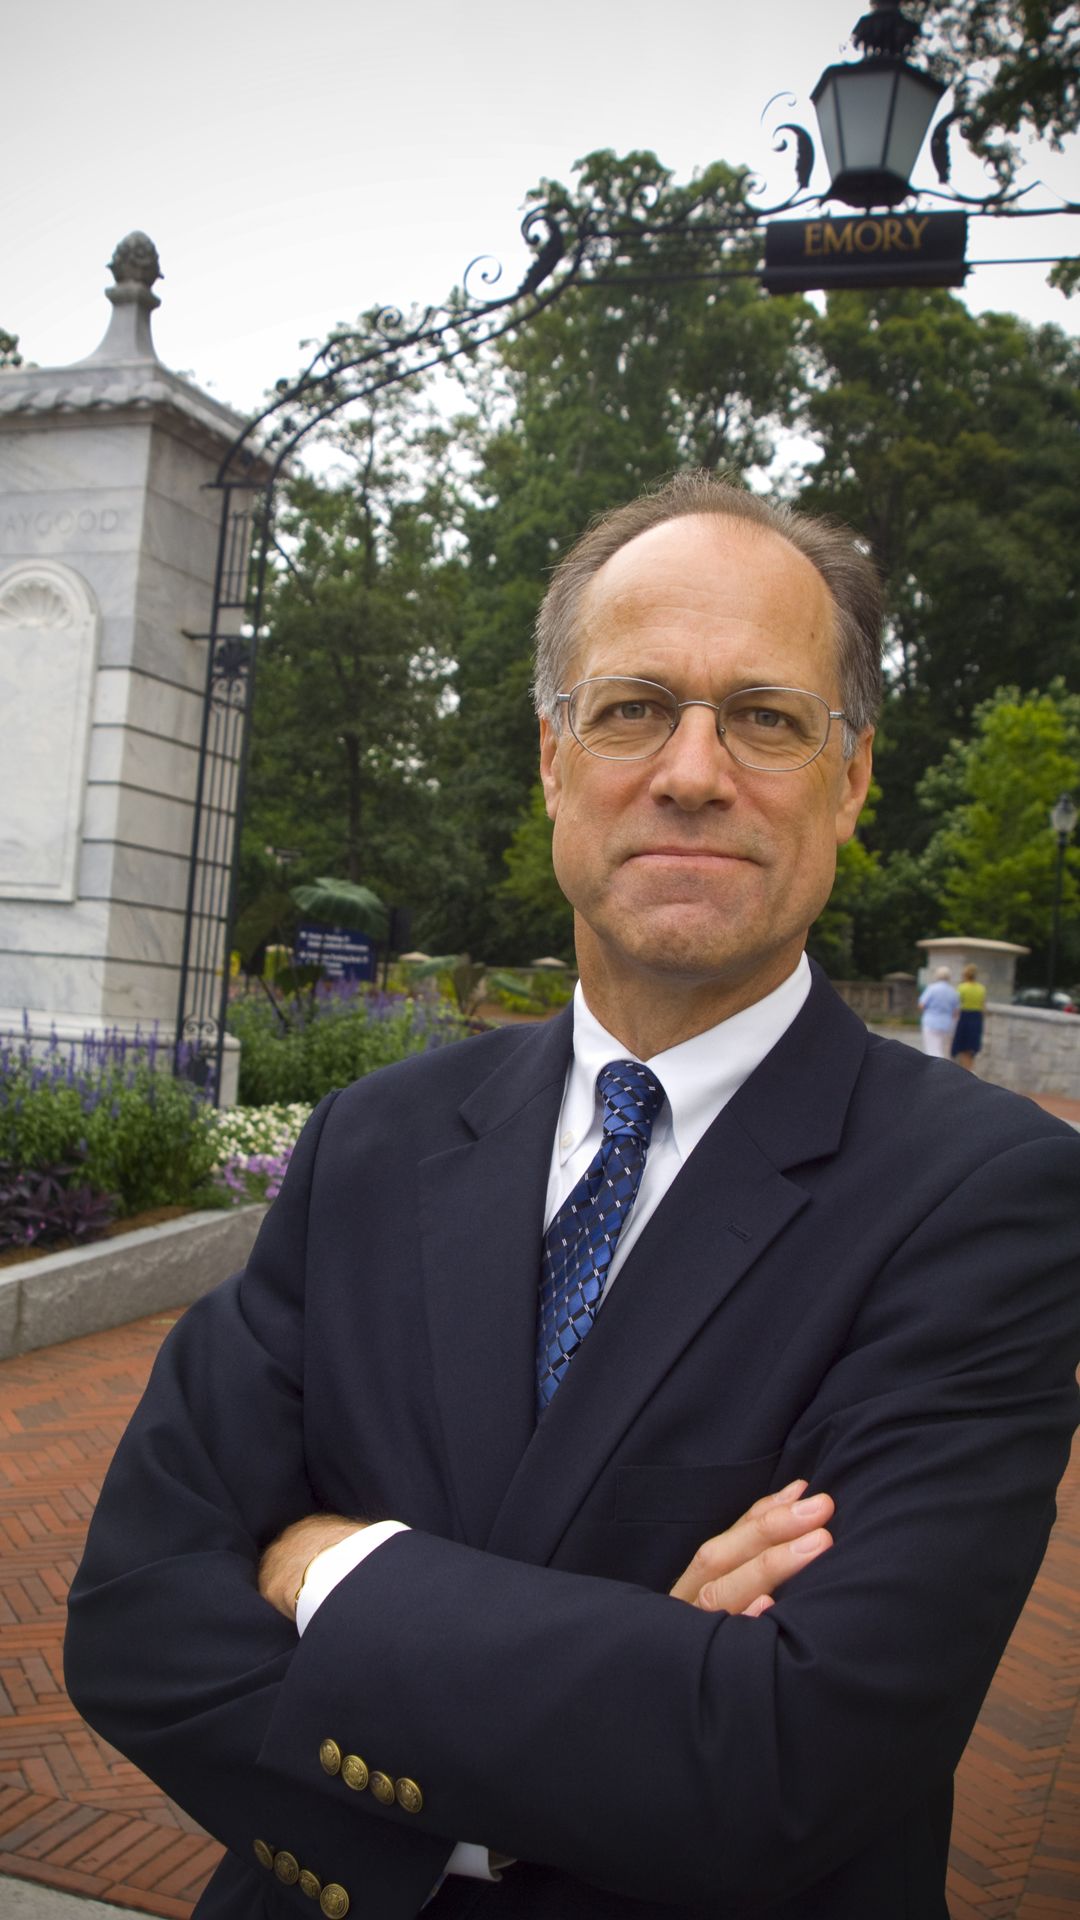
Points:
(243, 1132)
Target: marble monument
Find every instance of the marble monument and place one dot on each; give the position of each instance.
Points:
(108, 543)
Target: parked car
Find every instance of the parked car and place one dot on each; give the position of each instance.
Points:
(1059, 1001)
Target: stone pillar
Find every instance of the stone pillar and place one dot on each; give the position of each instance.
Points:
(995, 960)
(108, 545)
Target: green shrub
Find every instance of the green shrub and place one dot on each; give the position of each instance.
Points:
(152, 1143)
(299, 1049)
(41, 1126)
(533, 990)
(130, 1130)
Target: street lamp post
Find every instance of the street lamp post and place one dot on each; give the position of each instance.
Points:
(1062, 823)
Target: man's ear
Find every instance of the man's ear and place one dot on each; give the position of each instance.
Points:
(550, 774)
(856, 785)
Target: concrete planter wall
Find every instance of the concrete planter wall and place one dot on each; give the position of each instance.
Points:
(1032, 1050)
(64, 1295)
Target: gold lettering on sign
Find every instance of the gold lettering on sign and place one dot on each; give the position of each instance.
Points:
(891, 235)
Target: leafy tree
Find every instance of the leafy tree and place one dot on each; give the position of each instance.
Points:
(537, 913)
(877, 910)
(993, 855)
(832, 937)
(950, 440)
(1014, 63)
(9, 350)
(353, 675)
(1015, 67)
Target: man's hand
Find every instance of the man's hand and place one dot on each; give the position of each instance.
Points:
(283, 1565)
(739, 1571)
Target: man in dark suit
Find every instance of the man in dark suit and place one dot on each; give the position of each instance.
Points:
(538, 1318)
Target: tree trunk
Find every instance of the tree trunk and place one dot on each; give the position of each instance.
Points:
(353, 808)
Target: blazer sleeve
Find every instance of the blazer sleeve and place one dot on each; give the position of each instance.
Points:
(171, 1652)
(570, 1720)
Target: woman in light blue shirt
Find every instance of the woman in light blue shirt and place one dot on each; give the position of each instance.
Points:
(939, 1004)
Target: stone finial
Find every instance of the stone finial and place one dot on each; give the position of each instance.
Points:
(135, 261)
(134, 267)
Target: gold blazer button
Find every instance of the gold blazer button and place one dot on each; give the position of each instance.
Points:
(287, 1868)
(330, 1757)
(310, 1884)
(383, 1788)
(264, 1854)
(354, 1772)
(409, 1795)
(334, 1901)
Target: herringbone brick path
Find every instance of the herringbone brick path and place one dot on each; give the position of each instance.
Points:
(74, 1815)
(1016, 1832)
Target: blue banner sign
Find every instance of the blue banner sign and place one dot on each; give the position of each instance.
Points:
(341, 953)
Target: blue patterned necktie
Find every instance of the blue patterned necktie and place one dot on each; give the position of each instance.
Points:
(580, 1242)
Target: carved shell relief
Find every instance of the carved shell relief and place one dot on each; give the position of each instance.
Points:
(38, 599)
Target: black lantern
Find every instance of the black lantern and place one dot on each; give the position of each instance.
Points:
(874, 114)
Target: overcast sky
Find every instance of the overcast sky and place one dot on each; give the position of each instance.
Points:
(296, 163)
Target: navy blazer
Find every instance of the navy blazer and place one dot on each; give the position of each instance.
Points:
(865, 1275)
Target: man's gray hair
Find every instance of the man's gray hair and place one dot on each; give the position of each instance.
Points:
(844, 564)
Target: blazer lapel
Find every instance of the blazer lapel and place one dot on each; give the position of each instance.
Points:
(728, 1204)
(481, 1222)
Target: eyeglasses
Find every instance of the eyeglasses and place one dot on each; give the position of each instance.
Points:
(771, 729)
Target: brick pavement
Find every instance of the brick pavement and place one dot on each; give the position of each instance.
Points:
(75, 1816)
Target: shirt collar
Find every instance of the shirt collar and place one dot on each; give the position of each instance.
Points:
(699, 1076)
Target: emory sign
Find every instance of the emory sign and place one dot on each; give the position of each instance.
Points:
(866, 250)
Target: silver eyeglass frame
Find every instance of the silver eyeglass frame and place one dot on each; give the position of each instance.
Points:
(627, 759)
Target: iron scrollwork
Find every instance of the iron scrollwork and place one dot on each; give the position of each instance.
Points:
(231, 667)
(199, 1052)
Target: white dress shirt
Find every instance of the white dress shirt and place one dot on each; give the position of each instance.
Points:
(699, 1077)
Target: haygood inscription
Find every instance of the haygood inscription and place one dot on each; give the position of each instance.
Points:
(30, 525)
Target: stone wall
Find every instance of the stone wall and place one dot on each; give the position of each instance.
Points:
(1031, 1050)
(61, 1296)
(890, 999)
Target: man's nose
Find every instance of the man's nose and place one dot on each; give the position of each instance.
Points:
(694, 767)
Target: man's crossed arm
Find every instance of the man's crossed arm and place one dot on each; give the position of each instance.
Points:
(737, 1571)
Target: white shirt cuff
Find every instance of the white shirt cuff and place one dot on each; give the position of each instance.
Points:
(331, 1565)
(476, 1863)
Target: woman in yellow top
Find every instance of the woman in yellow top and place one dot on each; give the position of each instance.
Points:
(967, 1038)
